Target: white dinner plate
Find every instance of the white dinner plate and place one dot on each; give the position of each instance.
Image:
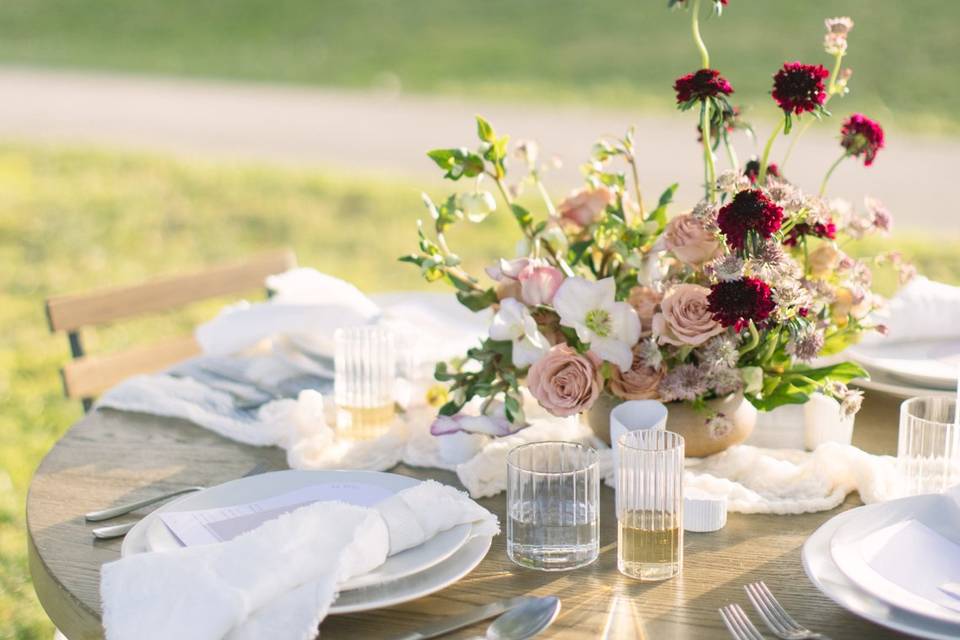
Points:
(830, 580)
(885, 383)
(852, 543)
(151, 534)
(923, 363)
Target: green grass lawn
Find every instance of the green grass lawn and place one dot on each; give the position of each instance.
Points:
(621, 52)
(75, 219)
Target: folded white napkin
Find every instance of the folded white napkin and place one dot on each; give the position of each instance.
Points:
(279, 580)
(304, 301)
(755, 480)
(922, 310)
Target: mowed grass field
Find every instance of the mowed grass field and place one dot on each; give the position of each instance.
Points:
(609, 52)
(73, 219)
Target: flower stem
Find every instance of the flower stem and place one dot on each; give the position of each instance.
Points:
(546, 197)
(697, 38)
(731, 153)
(831, 91)
(766, 152)
(636, 187)
(709, 171)
(826, 178)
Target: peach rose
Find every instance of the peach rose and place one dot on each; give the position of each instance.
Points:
(585, 206)
(689, 241)
(565, 382)
(640, 382)
(823, 260)
(685, 317)
(644, 301)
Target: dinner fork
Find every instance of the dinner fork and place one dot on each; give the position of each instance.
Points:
(120, 530)
(776, 617)
(738, 624)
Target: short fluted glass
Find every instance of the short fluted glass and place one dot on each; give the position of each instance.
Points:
(928, 451)
(553, 505)
(365, 363)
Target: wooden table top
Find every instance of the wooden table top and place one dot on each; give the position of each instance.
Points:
(109, 458)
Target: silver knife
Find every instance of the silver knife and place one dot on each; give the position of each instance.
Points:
(453, 623)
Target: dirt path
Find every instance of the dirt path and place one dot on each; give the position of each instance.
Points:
(387, 134)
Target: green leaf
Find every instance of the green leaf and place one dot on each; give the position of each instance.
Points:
(477, 300)
(522, 215)
(485, 131)
(659, 215)
(450, 409)
(457, 163)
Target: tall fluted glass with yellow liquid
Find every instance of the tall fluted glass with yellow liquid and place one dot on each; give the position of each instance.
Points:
(650, 504)
(365, 363)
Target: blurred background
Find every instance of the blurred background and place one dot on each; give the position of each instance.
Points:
(147, 137)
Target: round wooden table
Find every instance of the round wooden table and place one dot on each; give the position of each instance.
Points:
(109, 458)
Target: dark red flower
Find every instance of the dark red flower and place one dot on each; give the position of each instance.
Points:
(736, 303)
(752, 170)
(862, 136)
(749, 210)
(798, 87)
(826, 230)
(703, 84)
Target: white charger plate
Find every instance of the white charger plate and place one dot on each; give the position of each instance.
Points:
(826, 576)
(151, 534)
(925, 363)
(936, 511)
(883, 382)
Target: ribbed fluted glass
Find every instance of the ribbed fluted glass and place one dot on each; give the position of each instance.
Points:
(650, 504)
(928, 452)
(365, 363)
(553, 505)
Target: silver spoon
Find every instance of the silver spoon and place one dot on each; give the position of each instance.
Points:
(525, 620)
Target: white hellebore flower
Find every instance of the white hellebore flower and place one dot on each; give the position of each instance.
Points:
(478, 205)
(513, 322)
(611, 328)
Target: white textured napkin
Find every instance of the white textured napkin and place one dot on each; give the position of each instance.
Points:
(755, 480)
(922, 310)
(279, 580)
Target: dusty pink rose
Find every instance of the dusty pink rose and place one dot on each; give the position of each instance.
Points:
(685, 316)
(687, 239)
(565, 382)
(640, 382)
(538, 283)
(585, 206)
(644, 301)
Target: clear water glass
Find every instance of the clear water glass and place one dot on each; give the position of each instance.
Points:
(365, 376)
(928, 452)
(553, 505)
(650, 504)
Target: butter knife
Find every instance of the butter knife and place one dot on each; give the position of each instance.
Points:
(472, 616)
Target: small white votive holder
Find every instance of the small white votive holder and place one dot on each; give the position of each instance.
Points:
(634, 415)
(702, 512)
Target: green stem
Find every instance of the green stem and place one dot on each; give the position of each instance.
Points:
(709, 171)
(731, 153)
(546, 197)
(831, 91)
(636, 187)
(761, 178)
(697, 38)
(826, 178)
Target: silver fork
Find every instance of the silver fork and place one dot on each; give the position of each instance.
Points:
(120, 530)
(776, 617)
(738, 623)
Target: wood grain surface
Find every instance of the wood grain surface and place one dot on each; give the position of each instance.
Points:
(109, 458)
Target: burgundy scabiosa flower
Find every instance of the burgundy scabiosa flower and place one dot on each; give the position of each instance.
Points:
(826, 230)
(752, 170)
(749, 211)
(700, 85)
(862, 136)
(798, 87)
(736, 303)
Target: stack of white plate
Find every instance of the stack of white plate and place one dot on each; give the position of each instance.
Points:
(408, 575)
(908, 369)
(895, 563)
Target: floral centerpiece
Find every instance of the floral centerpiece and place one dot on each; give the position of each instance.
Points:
(610, 298)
